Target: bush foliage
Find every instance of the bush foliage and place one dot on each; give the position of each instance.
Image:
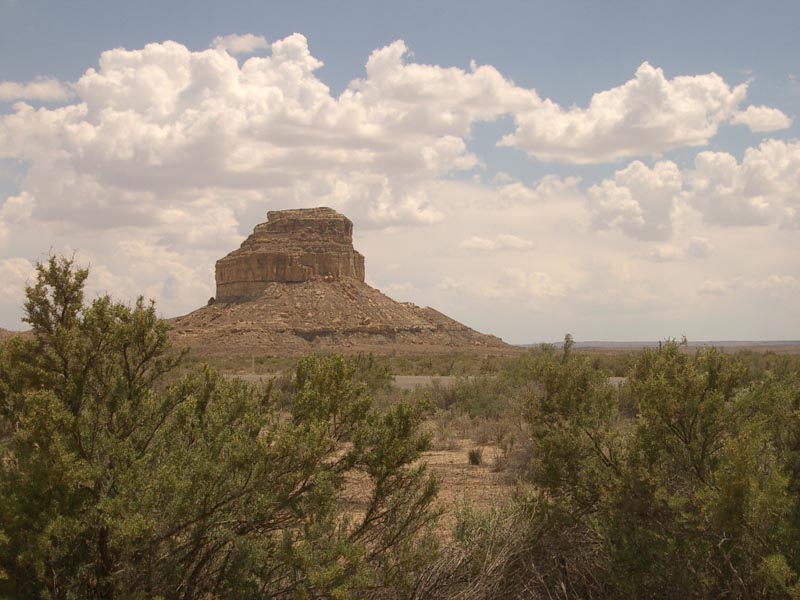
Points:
(690, 492)
(119, 477)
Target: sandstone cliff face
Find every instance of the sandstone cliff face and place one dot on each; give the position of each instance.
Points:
(291, 247)
(296, 285)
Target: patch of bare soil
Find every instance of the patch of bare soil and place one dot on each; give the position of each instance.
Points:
(460, 482)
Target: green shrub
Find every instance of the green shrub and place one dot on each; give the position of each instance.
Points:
(120, 479)
(693, 493)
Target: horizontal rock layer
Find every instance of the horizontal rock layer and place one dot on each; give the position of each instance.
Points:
(291, 247)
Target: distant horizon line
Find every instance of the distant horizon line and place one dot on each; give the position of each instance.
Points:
(588, 343)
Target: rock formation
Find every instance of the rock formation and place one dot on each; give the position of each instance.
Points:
(296, 285)
(291, 247)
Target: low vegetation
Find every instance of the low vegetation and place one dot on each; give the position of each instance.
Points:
(126, 472)
(683, 484)
(121, 478)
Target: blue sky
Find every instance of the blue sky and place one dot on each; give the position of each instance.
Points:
(571, 49)
(620, 170)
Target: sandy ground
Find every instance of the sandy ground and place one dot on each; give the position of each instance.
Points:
(460, 483)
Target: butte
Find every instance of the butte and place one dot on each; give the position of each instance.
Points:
(296, 285)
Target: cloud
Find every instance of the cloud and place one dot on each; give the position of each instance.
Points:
(14, 212)
(764, 188)
(38, 90)
(776, 284)
(718, 287)
(401, 291)
(645, 116)
(134, 265)
(531, 287)
(15, 273)
(449, 284)
(157, 127)
(240, 44)
(153, 129)
(503, 241)
(762, 118)
(165, 158)
(644, 202)
(414, 97)
(17, 209)
(478, 243)
(639, 200)
(666, 254)
(773, 285)
(502, 177)
(698, 247)
(548, 188)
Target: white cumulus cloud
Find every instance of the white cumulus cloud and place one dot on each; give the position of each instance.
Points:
(719, 287)
(763, 188)
(15, 212)
(697, 247)
(17, 209)
(39, 90)
(530, 287)
(15, 273)
(240, 44)
(639, 200)
(776, 284)
(762, 118)
(666, 253)
(164, 158)
(503, 241)
(773, 285)
(647, 115)
(549, 187)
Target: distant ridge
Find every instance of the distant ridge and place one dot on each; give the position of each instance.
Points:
(777, 346)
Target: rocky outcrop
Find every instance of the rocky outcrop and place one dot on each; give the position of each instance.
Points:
(291, 247)
(296, 285)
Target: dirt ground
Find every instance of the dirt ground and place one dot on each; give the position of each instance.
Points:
(482, 486)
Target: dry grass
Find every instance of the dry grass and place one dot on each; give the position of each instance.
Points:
(460, 482)
(482, 486)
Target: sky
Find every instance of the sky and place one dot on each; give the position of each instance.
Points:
(616, 170)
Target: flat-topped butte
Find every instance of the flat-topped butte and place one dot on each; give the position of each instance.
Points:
(296, 285)
(291, 247)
